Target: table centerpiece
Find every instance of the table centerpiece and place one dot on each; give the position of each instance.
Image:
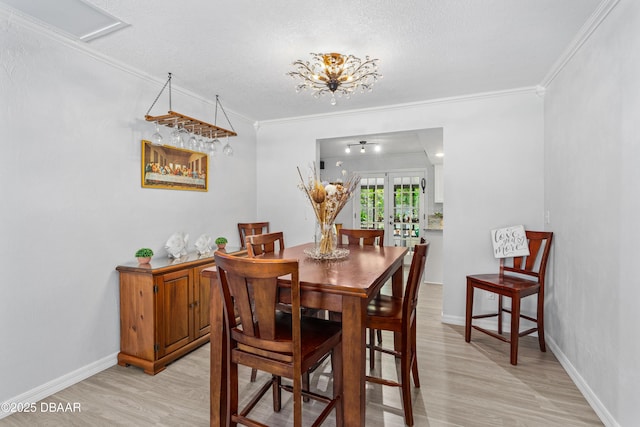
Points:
(327, 200)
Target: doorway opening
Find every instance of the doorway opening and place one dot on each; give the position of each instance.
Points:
(383, 198)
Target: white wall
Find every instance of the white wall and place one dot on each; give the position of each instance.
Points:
(73, 207)
(493, 178)
(592, 144)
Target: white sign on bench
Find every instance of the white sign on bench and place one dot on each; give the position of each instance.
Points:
(509, 242)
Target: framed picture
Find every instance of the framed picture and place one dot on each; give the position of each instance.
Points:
(174, 168)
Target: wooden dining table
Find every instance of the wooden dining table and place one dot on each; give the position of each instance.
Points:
(346, 286)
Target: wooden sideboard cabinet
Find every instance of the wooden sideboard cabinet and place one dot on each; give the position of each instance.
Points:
(164, 310)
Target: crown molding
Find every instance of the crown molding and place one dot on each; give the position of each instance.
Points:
(594, 21)
(452, 99)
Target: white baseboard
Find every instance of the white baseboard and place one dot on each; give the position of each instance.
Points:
(602, 412)
(452, 320)
(60, 383)
(595, 403)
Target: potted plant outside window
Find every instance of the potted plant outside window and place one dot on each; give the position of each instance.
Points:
(144, 255)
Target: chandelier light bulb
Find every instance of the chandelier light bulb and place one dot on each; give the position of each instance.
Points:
(347, 150)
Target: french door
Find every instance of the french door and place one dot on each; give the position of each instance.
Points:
(395, 202)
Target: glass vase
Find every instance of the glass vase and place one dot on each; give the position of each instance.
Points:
(326, 238)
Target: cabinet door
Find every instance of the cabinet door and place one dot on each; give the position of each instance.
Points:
(438, 181)
(202, 291)
(137, 315)
(174, 311)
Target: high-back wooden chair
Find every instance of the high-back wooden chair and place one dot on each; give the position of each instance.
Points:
(361, 237)
(250, 228)
(260, 244)
(270, 340)
(509, 282)
(398, 314)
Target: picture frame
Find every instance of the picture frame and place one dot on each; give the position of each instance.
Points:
(172, 168)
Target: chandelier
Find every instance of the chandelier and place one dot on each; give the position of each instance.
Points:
(334, 72)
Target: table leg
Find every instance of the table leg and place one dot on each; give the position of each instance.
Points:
(219, 404)
(354, 360)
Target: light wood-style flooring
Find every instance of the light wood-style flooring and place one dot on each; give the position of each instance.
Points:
(462, 385)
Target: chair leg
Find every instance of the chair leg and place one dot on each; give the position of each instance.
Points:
(379, 336)
(515, 328)
(297, 401)
(469, 314)
(543, 346)
(233, 389)
(277, 394)
(414, 357)
(405, 385)
(500, 314)
(372, 362)
(254, 373)
(336, 366)
(305, 385)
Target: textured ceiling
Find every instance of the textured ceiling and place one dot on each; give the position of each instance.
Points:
(428, 49)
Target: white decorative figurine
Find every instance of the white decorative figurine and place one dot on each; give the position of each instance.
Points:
(203, 244)
(176, 246)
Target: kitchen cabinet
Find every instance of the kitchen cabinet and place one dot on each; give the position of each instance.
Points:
(438, 182)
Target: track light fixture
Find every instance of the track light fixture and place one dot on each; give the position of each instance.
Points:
(362, 145)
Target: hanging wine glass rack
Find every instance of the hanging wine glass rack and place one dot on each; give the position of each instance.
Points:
(172, 119)
(191, 125)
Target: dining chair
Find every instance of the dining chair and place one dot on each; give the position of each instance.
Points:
(357, 236)
(510, 282)
(283, 344)
(250, 228)
(398, 315)
(259, 244)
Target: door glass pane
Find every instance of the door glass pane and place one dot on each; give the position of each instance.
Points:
(406, 210)
(393, 202)
(372, 203)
